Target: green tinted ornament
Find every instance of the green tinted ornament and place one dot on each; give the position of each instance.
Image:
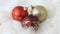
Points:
(40, 12)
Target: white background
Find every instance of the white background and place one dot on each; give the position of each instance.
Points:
(9, 26)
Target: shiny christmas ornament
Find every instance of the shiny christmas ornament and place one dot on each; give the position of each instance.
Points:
(40, 12)
(19, 12)
(31, 21)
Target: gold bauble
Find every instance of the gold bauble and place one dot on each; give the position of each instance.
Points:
(40, 12)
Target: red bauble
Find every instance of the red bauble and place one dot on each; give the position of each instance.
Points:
(19, 12)
(30, 21)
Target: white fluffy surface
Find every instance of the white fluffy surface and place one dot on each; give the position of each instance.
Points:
(10, 26)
